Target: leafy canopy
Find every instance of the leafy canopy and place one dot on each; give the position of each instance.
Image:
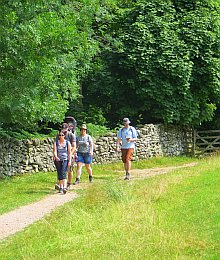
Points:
(46, 48)
(162, 63)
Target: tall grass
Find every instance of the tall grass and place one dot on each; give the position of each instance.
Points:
(173, 216)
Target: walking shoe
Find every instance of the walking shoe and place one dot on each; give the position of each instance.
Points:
(68, 185)
(57, 187)
(60, 190)
(90, 178)
(76, 182)
(64, 190)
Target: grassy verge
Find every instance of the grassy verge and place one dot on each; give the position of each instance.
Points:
(172, 216)
(22, 190)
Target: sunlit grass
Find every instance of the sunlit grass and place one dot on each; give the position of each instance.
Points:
(173, 216)
(27, 188)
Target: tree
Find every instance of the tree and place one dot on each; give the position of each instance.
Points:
(46, 48)
(163, 64)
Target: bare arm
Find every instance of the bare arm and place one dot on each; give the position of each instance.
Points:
(69, 154)
(118, 144)
(73, 148)
(91, 148)
(55, 152)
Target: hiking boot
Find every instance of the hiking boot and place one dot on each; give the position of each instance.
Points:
(76, 182)
(60, 190)
(64, 190)
(68, 185)
(90, 178)
(57, 187)
(127, 177)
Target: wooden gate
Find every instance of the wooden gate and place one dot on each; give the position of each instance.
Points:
(206, 141)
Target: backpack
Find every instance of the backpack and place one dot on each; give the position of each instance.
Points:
(132, 129)
(67, 147)
(71, 120)
(70, 137)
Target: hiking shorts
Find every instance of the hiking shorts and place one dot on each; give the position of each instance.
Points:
(127, 154)
(62, 167)
(84, 158)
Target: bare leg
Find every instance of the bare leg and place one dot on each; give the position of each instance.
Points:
(127, 166)
(64, 183)
(70, 175)
(61, 184)
(89, 169)
(79, 169)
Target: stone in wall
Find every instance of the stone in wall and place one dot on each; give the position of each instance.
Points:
(17, 157)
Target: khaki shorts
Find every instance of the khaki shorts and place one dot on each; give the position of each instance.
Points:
(127, 154)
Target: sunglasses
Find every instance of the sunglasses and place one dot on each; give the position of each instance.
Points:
(61, 135)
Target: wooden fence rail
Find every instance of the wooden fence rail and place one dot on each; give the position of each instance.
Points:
(206, 141)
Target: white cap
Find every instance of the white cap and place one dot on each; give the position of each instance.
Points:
(126, 120)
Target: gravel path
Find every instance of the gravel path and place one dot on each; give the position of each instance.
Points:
(144, 173)
(18, 219)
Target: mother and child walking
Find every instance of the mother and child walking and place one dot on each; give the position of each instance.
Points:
(69, 149)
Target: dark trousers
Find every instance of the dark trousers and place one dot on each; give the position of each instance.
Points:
(62, 167)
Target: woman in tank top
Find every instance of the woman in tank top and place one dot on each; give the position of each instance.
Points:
(62, 159)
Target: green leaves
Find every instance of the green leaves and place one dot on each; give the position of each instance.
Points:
(164, 65)
(46, 49)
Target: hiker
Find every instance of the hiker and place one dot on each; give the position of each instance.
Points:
(69, 136)
(62, 159)
(84, 146)
(128, 136)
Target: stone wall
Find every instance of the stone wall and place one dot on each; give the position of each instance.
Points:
(36, 155)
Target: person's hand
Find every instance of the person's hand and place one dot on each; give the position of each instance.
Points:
(91, 153)
(118, 149)
(128, 139)
(56, 158)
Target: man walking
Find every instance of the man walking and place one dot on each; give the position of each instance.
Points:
(128, 136)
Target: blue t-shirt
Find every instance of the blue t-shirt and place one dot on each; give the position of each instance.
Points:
(124, 133)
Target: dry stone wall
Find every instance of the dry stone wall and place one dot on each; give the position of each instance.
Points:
(17, 157)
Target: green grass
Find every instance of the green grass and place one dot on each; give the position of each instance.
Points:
(21, 190)
(172, 216)
(24, 189)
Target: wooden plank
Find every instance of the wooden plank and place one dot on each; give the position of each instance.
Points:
(209, 149)
(194, 142)
(208, 131)
(207, 144)
(207, 137)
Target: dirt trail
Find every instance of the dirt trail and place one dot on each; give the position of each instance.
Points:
(144, 173)
(18, 219)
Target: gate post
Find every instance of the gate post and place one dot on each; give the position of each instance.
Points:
(194, 142)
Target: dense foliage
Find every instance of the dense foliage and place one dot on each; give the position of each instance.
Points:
(151, 60)
(163, 64)
(46, 48)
